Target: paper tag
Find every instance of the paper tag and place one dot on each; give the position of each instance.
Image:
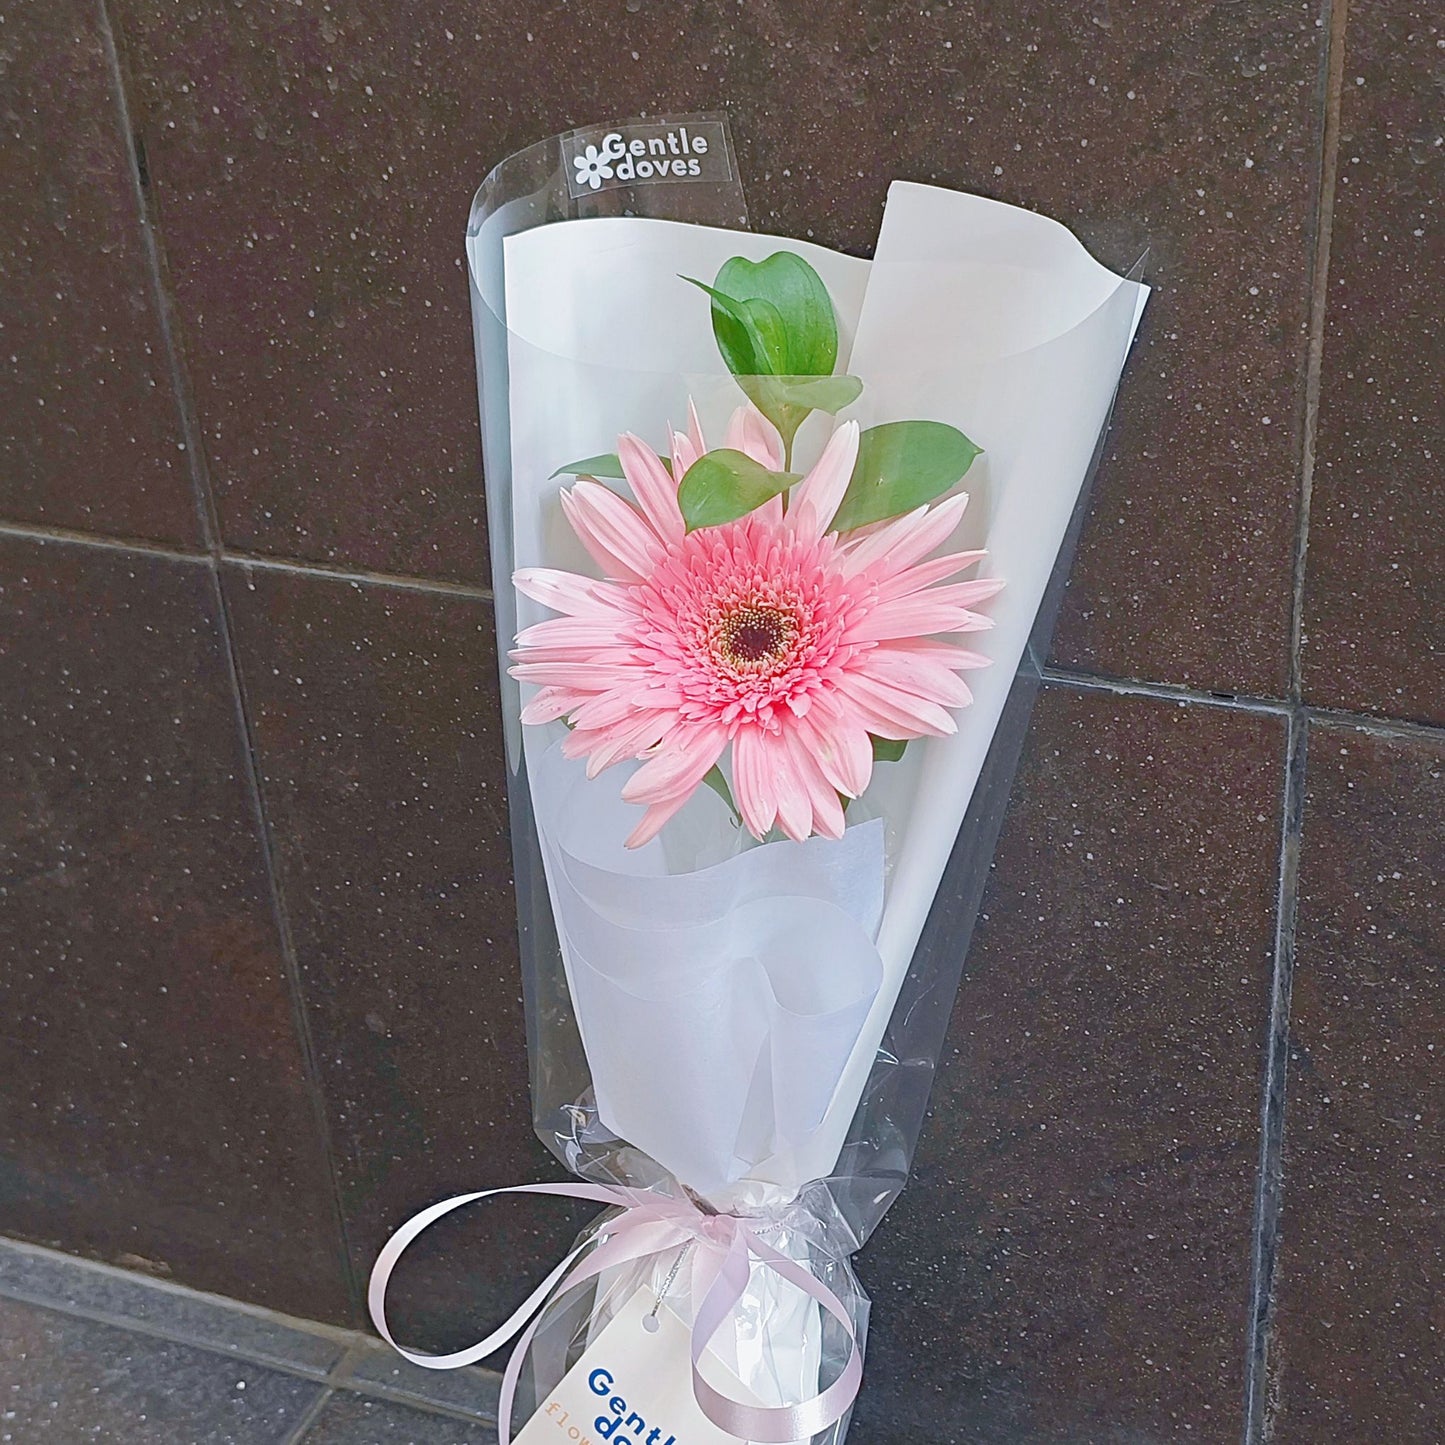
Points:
(632, 1386)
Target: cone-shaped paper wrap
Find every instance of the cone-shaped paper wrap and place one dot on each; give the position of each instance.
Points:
(731, 999)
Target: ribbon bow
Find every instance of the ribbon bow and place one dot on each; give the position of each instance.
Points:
(649, 1224)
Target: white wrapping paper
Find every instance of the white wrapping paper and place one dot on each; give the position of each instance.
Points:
(730, 1002)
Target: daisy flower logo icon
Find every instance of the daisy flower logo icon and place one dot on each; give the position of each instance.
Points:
(594, 165)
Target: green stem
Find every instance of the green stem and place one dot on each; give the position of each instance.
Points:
(719, 784)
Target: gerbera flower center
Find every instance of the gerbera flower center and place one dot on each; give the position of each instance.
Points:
(754, 635)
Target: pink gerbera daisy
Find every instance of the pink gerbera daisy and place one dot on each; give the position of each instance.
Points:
(769, 635)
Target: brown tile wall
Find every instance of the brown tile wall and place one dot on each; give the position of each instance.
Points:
(1182, 1174)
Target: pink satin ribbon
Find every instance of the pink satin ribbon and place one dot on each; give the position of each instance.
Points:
(649, 1225)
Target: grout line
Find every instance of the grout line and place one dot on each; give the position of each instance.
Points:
(359, 575)
(250, 764)
(1269, 1183)
(425, 1404)
(133, 1325)
(1402, 729)
(79, 1264)
(337, 1376)
(309, 1417)
(160, 299)
(1162, 691)
(335, 1379)
(67, 537)
(1377, 724)
(1318, 305)
(335, 572)
(342, 1376)
(1259, 1404)
(291, 963)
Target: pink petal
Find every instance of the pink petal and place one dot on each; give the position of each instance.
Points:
(550, 703)
(924, 574)
(583, 633)
(656, 492)
(823, 798)
(916, 616)
(622, 543)
(967, 594)
(605, 710)
(616, 655)
(918, 676)
(770, 514)
(679, 765)
(889, 713)
(817, 496)
(941, 652)
(653, 821)
(571, 593)
(795, 807)
(751, 433)
(683, 454)
(585, 676)
(687, 446)
(752, 781)
(905, 539)
(605, 746)
(842, 748)
(694, 428)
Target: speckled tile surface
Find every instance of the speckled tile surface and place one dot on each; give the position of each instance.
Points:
(1073, 1260)
(1375, 606)
(89, 436)
(1357, 1352)
(155, 1112)
(466, 1392)
(1070, 1260)
(72, 1380)
(375, 714)
(349, 1420)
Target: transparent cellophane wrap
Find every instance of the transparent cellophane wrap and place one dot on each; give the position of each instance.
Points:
(762, 1022)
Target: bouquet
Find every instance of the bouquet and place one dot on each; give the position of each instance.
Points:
(777, 535)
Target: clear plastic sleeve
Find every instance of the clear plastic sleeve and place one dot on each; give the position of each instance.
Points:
(757, 1027)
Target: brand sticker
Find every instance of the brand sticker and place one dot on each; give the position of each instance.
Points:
(639, 153)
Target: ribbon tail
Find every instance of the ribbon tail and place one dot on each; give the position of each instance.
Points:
(771, 1424)
(396, 1246)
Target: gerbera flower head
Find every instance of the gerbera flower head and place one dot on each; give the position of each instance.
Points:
(771, 637)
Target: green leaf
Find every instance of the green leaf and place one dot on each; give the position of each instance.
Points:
(606, 465)
(768, 325)
(887, 750)
(787, 400)
(788, 284)
(808, 393)
(777, 332)
(723, 485)
(901, 465)
(750, 332)
(719, 784)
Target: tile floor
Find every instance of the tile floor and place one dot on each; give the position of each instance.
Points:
(89, 1353)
